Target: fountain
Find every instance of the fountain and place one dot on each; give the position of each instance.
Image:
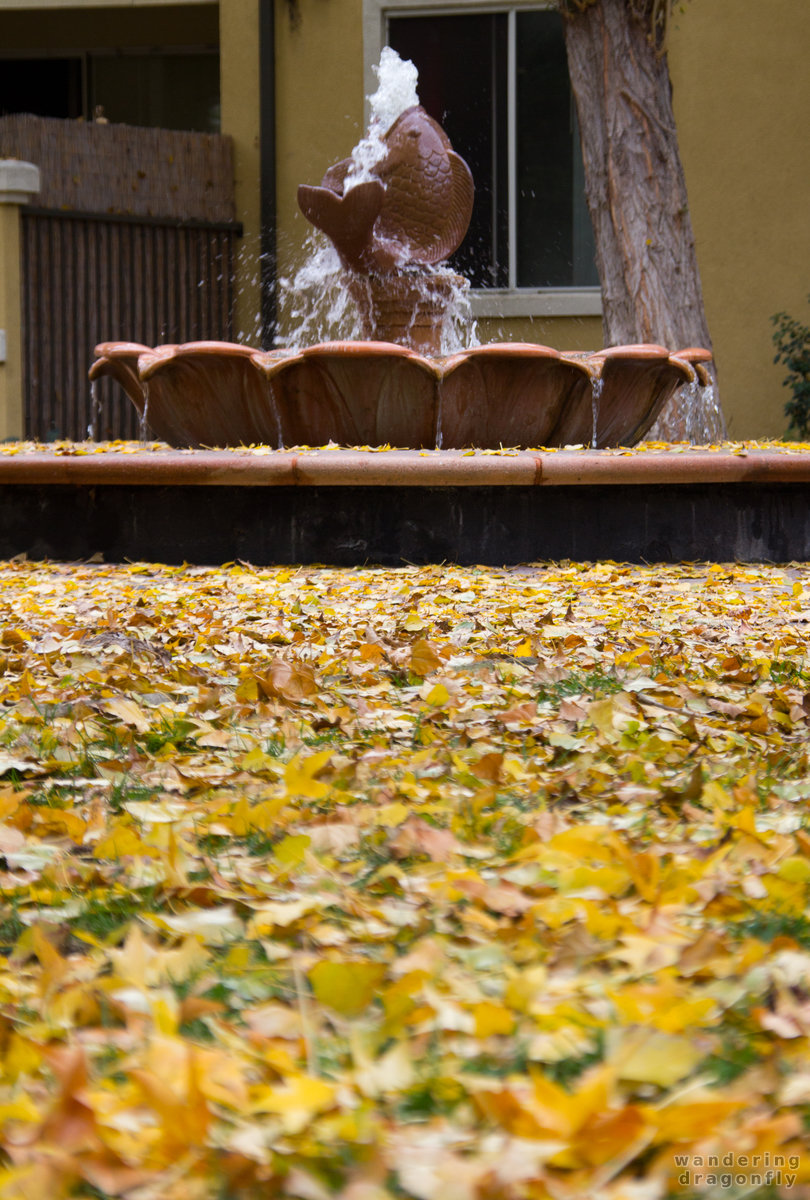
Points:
(403, 441)
(394, 212)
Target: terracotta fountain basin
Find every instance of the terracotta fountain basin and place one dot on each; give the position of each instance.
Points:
(379, 393)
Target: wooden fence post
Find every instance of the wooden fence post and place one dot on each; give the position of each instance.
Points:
(19, 183)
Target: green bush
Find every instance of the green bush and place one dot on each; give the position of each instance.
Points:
(792, 341)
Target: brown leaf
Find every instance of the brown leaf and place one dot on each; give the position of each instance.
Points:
(519, 714)
(488, 767)
(500, 897)
(293, 681)
(415, 836)
(424, 658)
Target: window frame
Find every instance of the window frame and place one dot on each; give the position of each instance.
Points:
(512, 301)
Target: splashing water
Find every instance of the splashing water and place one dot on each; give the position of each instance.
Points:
(694, 415)
(396, 92)
(459, 330)
(690, 400)
(94, 428)
(704, 417)
(713, 413)
(318, 304)
(277, 418)
(596, 395)
(144, 423)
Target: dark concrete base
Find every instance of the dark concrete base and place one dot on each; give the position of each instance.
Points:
(346, 525)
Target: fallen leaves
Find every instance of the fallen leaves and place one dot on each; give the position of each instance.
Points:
(416, 883)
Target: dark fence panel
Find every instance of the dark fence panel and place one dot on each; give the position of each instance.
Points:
(90, 278)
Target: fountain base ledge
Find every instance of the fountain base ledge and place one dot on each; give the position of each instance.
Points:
(359, 506)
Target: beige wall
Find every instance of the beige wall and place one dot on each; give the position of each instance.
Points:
(96, 26)
(239, 101)
(11, 397)
(741, 89)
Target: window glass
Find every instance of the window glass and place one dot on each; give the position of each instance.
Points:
(169, 91)
(44, 87)
(547, 152)
(463, 82)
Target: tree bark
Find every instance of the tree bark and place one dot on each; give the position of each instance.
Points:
(636, 193)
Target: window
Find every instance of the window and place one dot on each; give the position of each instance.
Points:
(172, 90)
(496, 77)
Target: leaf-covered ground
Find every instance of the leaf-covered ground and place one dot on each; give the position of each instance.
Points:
(443, 883)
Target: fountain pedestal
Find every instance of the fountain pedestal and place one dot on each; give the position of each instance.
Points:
(408, 307)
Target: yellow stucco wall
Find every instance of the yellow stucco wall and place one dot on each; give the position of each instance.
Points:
(741, 90)
(239, 104)
(319, 96)
(76, 26)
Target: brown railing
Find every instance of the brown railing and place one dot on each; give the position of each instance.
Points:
(90, 278)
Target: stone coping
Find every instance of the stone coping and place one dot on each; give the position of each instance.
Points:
(134, 464)
(19, 181)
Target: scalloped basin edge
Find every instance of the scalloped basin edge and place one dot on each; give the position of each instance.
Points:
(379, 393)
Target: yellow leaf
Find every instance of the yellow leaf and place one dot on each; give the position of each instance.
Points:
(492, 1018)
(123, 840)
(240, 817)
(391, 815)
(291, 850)
(20, 1109)
(438, 695)
(127, 711)
(279, 914)
(296, 1101)
(247, 690)
(21, 1058)
(10, 802)
(300, 772)
(33, 1181)
(660, 1058)
(348, 987)
(714, 795)
(264, 816)
(62, 821)
(257, 761)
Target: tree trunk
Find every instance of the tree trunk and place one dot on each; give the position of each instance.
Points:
(645, 248)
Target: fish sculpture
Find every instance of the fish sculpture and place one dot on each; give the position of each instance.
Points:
(415, 212)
